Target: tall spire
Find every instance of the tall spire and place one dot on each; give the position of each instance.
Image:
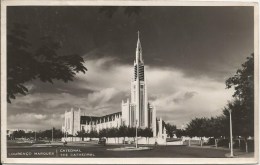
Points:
(138, 55)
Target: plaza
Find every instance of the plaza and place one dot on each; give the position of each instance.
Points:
(92, 150)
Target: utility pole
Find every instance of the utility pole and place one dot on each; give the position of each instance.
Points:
(64, 133)
(52, 135)
(35, 135)
(136, 133)
(231, 136)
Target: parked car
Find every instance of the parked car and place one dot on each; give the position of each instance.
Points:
(102, 141)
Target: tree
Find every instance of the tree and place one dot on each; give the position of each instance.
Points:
(140, 132)
(57, 133)
(197, 127)
(243, 105)
(170, 129)
(180, 133)
(93, 134)
(240, 122)
(27, 61)
(103, 133)
(147, 132)
(19, 134)
(242, 108)
(243, 82)
(208, 127)
(217, 127)
(131, 131)
(238, 117)
(122, 131)
(113, 132)
(46, 134)
(81, 134)
(29, 135)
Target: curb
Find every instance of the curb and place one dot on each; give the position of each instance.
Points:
(240, 155)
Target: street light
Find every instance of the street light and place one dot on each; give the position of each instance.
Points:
(231, 136)
(64, 133)
(136, 121)
(52, 134)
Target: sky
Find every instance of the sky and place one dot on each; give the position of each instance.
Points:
(188, 53)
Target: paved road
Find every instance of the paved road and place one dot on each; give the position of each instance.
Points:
(91, 150)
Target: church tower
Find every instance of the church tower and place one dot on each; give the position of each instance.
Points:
(138, 111)
(138, 89)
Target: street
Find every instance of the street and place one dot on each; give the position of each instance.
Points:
(94, 150)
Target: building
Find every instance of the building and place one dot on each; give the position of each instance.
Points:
(77, 120)
(136, 111)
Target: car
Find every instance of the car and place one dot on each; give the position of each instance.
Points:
(102, 141)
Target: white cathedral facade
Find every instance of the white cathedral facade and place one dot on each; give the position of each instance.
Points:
(136, 111)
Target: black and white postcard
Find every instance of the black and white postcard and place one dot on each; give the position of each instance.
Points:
(141, 82)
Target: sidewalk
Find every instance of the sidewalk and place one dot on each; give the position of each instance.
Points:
(211, 147)
(241, 155)
(237, 152)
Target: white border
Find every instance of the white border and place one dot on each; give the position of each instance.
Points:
(3, 84)
(129, 3)
(4, 158)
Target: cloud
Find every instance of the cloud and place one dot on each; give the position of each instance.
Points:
(102, 96)
(186, 96)
(105, 73)
(27, 116)
(34, 121)
(177, 97)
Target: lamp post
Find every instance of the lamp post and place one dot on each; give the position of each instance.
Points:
(136, 133)
(64, 133)
(52, 134)
(231, 136)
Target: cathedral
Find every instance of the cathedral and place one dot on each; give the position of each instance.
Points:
(136, 111)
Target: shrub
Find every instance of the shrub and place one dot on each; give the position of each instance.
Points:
(211, 141)
(223, 143)
(250, 144)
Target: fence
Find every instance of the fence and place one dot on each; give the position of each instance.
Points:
(119, 140)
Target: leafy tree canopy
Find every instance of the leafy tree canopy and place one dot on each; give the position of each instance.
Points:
(243, 80)
(27, 61)
(242, 107)
(170, 129)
